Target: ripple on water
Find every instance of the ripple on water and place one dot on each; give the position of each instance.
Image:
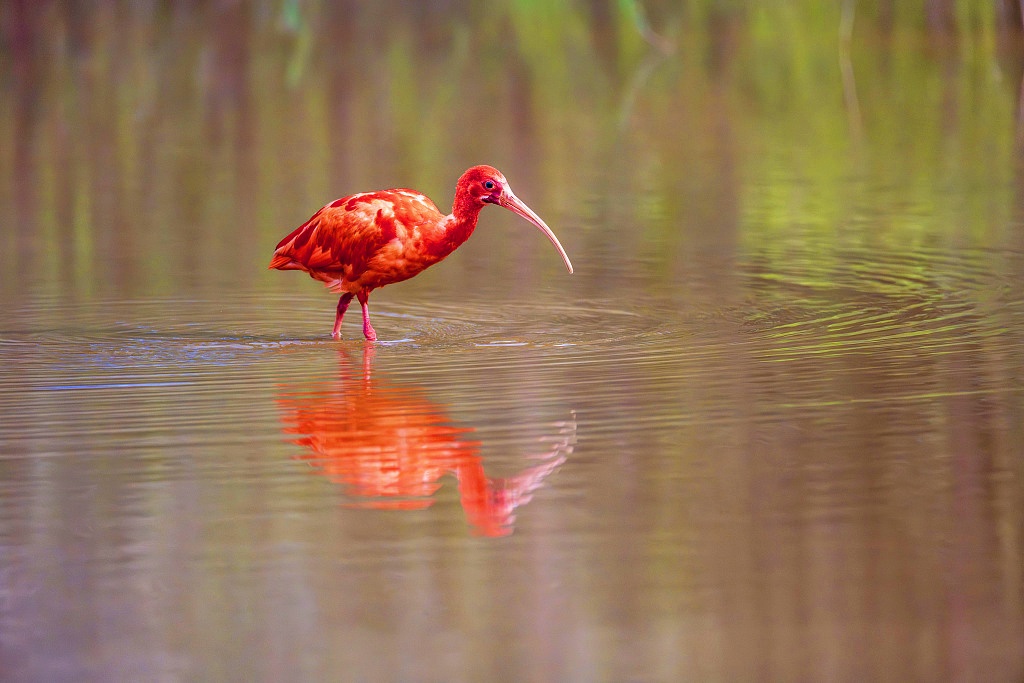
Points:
(926, 302)
(792, 305)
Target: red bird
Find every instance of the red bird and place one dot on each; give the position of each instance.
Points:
(364, 241)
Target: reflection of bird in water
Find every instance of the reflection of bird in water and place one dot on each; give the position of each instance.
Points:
(389, 446)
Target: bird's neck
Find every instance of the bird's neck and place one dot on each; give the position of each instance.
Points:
(457, 227)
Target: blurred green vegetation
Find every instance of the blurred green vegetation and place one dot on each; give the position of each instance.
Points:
(163, 147)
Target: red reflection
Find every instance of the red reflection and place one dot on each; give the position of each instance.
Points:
(389, 446)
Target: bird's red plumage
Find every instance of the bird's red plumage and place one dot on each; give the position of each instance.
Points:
(367, 240)
(364, 241)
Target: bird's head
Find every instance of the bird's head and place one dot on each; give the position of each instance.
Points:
(483, 185)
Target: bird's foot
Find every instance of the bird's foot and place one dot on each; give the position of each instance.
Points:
(369, 333)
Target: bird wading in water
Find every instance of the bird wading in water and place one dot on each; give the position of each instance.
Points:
(364, 241)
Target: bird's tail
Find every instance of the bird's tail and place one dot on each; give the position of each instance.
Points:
(282, 262)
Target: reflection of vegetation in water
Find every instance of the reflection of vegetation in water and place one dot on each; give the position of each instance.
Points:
(155, 149)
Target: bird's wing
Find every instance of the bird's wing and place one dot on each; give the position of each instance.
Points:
(343, 235)
(347, 233)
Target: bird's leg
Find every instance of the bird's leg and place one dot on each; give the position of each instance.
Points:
(368, 331)
(343, 303)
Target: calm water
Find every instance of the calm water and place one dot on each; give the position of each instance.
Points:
(772, 429)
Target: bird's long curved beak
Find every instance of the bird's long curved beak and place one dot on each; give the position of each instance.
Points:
(516, 205)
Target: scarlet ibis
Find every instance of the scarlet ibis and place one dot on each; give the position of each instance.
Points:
(364, 241)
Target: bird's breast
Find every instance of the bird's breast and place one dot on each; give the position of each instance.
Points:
(398, 259)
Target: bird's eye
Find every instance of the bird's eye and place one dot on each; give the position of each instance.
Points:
(488, 184)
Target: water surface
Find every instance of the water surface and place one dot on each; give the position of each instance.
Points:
(770, 430)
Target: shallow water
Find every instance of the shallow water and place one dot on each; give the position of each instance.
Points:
(770, 430)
